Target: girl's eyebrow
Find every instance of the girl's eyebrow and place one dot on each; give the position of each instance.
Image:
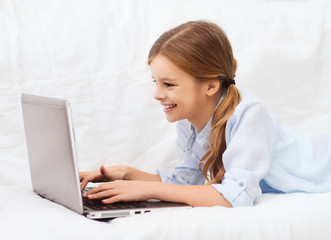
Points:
(165, 79)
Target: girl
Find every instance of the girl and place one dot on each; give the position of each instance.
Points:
(228, 138)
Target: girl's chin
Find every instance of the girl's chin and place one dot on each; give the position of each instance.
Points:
(173, 119)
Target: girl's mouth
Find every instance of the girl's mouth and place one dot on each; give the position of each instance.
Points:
(168, 107)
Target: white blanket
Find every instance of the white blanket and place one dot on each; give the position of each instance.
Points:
(24, 215)
(94, 53)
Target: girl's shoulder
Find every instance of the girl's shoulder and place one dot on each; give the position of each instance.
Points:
(248, 99)
(251, 105)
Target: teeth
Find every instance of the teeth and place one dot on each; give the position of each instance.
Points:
(169, 106)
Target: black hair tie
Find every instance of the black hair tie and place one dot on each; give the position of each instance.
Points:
(228, 83)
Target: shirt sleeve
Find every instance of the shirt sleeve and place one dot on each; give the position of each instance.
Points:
(250, 137)
(182, 174)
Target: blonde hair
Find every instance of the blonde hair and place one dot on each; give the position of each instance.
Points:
(203, 50)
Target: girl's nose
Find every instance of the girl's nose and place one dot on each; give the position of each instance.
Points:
(158, 95)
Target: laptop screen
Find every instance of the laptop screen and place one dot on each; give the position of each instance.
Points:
(51, 151)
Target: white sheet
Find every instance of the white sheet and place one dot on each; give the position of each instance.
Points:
(94, 53)
(275, 216)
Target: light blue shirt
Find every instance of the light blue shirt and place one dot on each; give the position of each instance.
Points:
(261, 156)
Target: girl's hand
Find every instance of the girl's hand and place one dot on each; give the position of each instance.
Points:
(133, 190)
(121, 191)
(103, 175)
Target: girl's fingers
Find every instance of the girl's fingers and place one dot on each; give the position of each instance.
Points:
(100, 188)
(103, 194)
(84, 181)
(83, 184)
(103, 171)
(118, 191)
(111, 200)
(81, 176)
(90, 192)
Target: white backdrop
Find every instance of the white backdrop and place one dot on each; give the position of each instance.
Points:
(94, 53)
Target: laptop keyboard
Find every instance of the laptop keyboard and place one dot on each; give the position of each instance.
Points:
(98, 205)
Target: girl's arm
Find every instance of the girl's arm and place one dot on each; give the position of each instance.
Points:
(193, 195)
(136, 174)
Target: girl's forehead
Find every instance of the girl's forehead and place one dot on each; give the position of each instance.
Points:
(162, 68)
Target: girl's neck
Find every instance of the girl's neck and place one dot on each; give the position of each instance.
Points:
(207, 112)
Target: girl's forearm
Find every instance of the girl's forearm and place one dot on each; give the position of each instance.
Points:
(136, 174)
(193, 195)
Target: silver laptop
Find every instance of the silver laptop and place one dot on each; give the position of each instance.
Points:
(50, 139)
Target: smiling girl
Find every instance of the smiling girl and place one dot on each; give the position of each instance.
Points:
(227, 138)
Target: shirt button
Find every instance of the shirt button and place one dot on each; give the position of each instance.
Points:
(241, 184)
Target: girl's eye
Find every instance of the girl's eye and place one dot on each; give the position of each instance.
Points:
(165, 84)
(168, 84)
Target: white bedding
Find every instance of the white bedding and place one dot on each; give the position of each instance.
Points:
(94, 53)
(275, 216)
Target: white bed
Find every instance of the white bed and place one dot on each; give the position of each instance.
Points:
(94, 54)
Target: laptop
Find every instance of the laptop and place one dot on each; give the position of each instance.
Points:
(50, 139)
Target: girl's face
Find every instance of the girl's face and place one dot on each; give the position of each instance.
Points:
(181, 95)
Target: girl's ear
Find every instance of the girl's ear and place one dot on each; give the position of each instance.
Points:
(212, 87)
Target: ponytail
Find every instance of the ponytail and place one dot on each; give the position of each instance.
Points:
(212, 161)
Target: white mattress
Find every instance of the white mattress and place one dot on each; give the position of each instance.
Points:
(94, 54)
